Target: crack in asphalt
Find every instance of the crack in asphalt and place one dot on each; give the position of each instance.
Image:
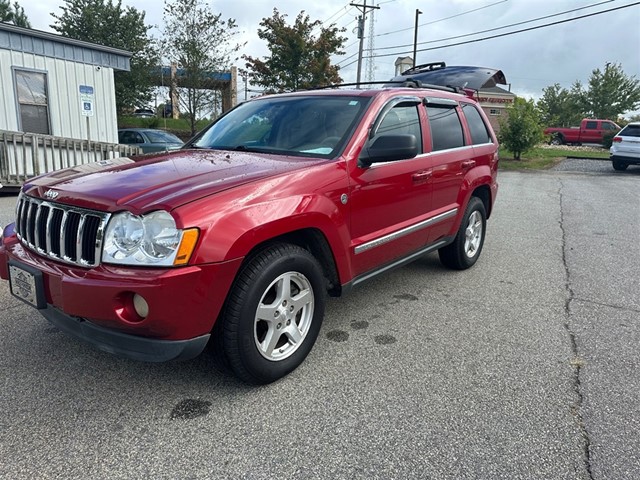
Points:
(576, 362)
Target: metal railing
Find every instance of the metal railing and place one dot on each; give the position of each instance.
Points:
(26, 155)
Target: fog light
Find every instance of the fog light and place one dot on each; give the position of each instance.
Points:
(141, 305)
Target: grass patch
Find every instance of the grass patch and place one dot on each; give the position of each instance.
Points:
(544, 157)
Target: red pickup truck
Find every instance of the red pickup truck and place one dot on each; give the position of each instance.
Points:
(239, 236)
(589, 131)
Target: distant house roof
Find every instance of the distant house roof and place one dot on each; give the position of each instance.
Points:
(498, 91)
(403, 61)
(56, 46)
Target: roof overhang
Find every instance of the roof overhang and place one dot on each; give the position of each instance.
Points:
(47, 44)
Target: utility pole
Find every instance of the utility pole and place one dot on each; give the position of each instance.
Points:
(415, 38)
(361, 19)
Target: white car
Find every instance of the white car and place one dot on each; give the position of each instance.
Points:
(625, 149)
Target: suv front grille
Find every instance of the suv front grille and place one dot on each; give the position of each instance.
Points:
(69, 234)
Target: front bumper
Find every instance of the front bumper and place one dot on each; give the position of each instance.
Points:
(124, 345)
(97, 305)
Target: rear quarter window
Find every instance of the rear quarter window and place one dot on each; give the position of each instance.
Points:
(477, 127)
(630, 131)
(446, 129)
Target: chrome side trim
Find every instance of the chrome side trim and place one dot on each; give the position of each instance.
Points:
(405, 231)
(398, 263)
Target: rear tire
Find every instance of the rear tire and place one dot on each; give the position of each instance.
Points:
(619, 165)
(273, 314)
(466, 247)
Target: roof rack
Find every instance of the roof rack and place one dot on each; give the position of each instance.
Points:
(407, 83)
(425, 67)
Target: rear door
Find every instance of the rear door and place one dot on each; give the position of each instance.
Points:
(592, 132)
(450, 158)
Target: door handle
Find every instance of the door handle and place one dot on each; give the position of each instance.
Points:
(421, 176)
(467, 164)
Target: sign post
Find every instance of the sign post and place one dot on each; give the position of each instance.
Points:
(86, 105)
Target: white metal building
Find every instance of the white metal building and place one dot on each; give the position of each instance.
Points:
(58, 86)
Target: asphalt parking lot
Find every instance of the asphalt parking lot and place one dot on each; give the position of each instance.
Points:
(523, 367)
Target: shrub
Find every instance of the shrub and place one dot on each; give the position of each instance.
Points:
(521, 130)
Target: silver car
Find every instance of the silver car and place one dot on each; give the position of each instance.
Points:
(149, 139)
(625, 149)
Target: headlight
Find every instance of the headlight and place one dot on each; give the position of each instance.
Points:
(151, 239)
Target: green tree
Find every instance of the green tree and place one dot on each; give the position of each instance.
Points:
(298, 58)
(13, 13)
(107, 23)
(611, 92)
(560, 107)
(521, 130)
(201, 44)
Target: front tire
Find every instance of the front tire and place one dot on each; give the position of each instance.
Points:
(273, 314)
(466, 247)
(557, 140)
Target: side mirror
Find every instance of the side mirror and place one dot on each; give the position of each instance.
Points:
(388, 148)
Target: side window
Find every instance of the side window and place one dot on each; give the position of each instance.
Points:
(402, 119)
(446, 129)
(477, 127)
(592, 125)
(608, 126)
(137, 138)
(33, 101)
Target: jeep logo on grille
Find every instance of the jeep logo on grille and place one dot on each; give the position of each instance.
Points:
(51, 194)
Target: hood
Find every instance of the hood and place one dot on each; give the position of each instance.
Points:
(474, 78)
(158, 181)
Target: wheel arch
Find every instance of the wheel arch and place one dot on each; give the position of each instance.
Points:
(478, 183)
(483, 192)
(314, 241)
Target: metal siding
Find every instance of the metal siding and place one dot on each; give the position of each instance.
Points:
(29, 41)
(38, 46)
(15, 42)
(8, 115)
(64, 78)
(103, 125)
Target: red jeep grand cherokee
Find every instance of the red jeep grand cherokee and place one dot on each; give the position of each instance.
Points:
(240, 235)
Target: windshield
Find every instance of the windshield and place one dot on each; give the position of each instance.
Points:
(309, 126)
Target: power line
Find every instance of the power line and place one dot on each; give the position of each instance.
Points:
(509, 33)
(503, 27)
(348, 58)
(443, 19)
(346, 7)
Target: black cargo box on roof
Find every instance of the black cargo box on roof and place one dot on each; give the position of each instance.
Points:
(440, 74)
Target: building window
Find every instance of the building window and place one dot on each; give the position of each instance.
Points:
(33, 101)
(495, 111)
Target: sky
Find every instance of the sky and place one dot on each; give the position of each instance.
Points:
(531, 60)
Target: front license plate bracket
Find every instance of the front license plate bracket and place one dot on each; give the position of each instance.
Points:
(27, 284)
